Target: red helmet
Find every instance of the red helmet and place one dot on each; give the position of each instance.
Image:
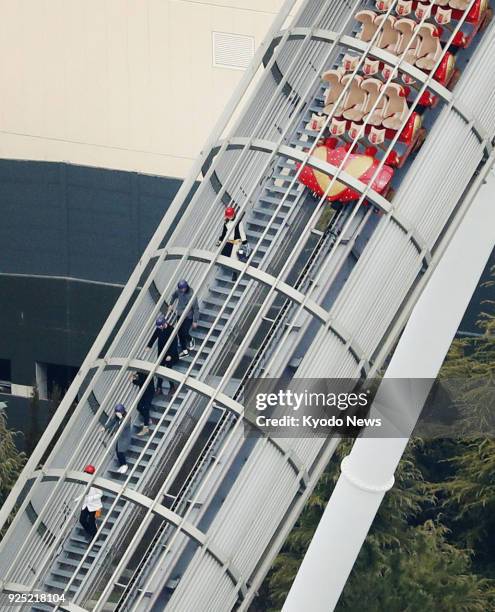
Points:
(229, 213)
(90, 469)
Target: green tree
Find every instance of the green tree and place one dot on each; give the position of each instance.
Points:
(389, 529)
(468, 494)
(427, 574)
(471, 363)
(11, 460)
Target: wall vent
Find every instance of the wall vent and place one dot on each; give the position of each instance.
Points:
(232, 50)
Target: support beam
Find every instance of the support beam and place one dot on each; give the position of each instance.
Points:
(367, 473)
(293, 294)
(137, 498)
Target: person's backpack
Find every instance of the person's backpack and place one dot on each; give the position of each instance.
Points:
(243, 252)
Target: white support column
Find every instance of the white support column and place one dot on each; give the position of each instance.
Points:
(368, 471)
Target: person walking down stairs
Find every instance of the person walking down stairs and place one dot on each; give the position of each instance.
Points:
(91, 507)
(144, 404)
(163, 331)
(124, 436)
(183, 295)
(236, 236)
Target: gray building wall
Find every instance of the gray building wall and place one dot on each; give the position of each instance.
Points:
(49, 321)
(72, 222)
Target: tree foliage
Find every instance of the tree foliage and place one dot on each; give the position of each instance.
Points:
(405, 564)
(11, 460)
(426, 574)
(468, 494)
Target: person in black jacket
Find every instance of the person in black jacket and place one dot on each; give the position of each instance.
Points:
(185, 301)
(144, 404)
(161, 335)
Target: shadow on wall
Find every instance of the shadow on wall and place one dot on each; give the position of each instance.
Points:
(79, 222)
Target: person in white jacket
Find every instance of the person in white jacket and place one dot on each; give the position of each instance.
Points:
(235, 233)
(92, 504)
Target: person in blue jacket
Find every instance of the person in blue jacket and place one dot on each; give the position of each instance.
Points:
(124, 436)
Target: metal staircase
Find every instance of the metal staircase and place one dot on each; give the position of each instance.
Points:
(267, 208)
(212, 300)
(285, 312)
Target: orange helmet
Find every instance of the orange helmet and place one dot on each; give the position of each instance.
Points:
(229, 213)
(90, 469)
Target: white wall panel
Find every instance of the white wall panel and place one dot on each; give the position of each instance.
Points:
(117, 83)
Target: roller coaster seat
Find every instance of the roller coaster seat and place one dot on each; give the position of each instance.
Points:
(356, 99)
(396, 108)
(430, 49)
(334, 79)
(369, 27)
(389, 36)
(373, 88)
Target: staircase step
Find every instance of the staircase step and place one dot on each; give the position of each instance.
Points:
(286, 178)
(55, 584)
(79, 551)
(214, 305)
(216, 330)
(72, 564)
(263, 216)
(257, 235)
(276, 199)
(257, 229)
(60, 574)
(293, 193)
(225, 291)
